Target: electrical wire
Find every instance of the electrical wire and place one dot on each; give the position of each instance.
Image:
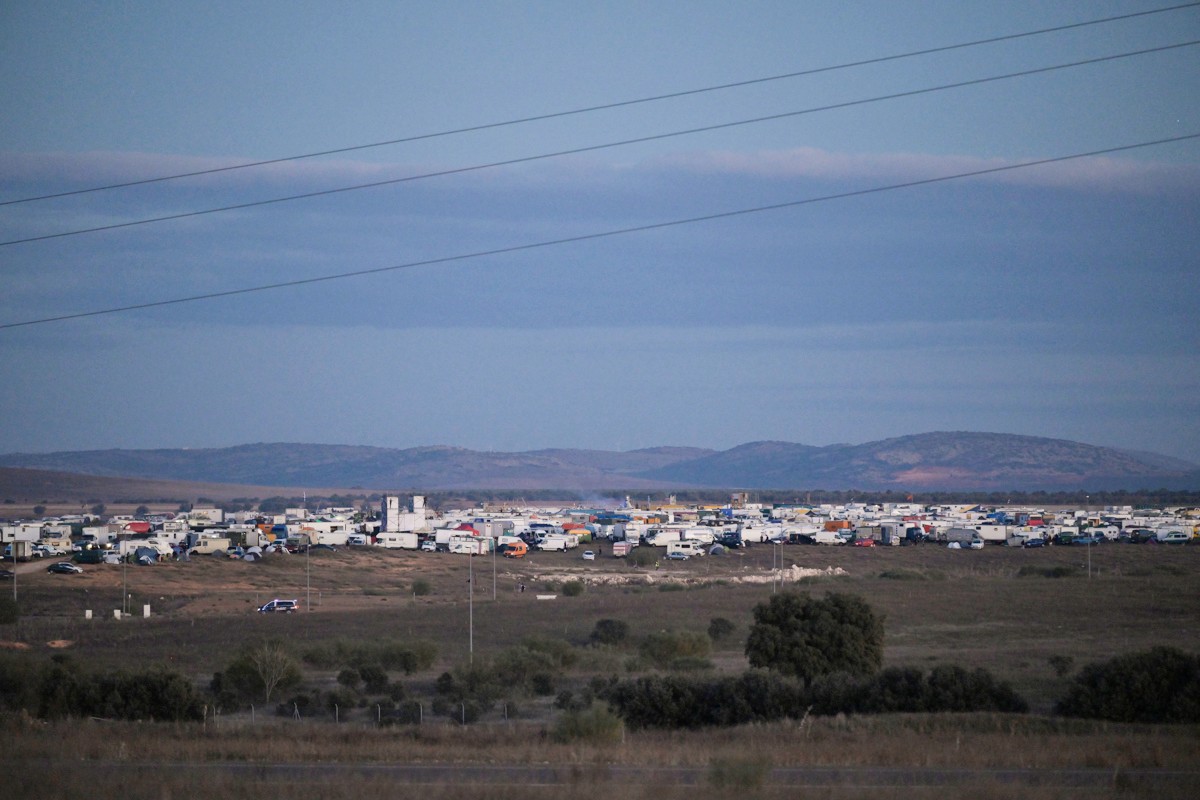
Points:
(596, 147)
(600, 234)
(609, 106)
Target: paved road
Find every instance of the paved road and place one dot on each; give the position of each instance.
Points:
(564, 775)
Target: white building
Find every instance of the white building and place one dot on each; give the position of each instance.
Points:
(396, 519)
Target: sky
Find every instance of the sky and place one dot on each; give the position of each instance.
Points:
(544, 302)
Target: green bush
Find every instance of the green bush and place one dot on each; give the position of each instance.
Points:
(374, 678)
(1158, 685)
(62, 689)
(799, 635)
(389, 654)
(1061, 571)
(609, 632)
(572, 588)
(719, 628)
(421, 587)
(642, 557)
(675, 701)
(662, 648)
(596, 725)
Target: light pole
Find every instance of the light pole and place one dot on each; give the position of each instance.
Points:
(124, 540)
(308, 572)
(471, 608)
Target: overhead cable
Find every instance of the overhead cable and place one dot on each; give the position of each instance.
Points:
(595, 147)
(600, 234)
(608, 106)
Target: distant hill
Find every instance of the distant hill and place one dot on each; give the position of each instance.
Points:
(936, 461)
(950, 461)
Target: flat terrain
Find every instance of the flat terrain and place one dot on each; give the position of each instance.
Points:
(994, 608)
(997, 608)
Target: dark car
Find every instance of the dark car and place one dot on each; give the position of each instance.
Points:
(1034, 541)
(6, 574)
(64, 568)
(278, 606)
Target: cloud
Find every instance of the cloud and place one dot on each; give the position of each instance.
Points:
(1099, 172)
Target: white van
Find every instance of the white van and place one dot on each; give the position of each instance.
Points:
(688, 547)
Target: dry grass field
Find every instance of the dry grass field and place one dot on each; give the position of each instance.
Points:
(997, 608)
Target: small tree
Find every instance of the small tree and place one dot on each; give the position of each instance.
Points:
(609, 631)
(806, 637)
(263, 669)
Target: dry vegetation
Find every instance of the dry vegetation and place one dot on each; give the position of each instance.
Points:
(995, 608)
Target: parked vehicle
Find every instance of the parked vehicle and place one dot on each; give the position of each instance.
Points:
(429, 546)
(517, 549)
(278, 606)
(678, 556)
(687, 547)
(588, 555)
(64, 568)
(863, 542)
(1034, 541)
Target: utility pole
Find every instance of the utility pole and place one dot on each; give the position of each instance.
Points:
(471, 608)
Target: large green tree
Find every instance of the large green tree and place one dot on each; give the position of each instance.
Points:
(799, 635)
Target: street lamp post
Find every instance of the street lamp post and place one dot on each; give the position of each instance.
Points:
(471, 608)
(124, 575)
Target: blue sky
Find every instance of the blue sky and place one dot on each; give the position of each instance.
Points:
(1056, 301)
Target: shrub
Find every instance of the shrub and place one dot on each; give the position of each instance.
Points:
(572, 588)
(806, 637)
(597, 725)
(388, 654)
(260, 670)
(609, 631)
(421, 587)
(719, 628)
(340, 701)
(350, 678)
(374, 678)
(1158, 685)
(642, 557)
(903, 575)
(664, 647)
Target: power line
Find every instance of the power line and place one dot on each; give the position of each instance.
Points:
(593, 148)
(609, 106)
(601, 234)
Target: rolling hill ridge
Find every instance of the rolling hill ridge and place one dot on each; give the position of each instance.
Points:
(928, 461)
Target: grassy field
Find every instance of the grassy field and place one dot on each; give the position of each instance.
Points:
(998, 608)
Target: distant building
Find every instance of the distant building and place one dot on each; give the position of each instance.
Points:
(394, 518)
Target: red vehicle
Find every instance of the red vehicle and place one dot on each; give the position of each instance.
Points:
(864, 542)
